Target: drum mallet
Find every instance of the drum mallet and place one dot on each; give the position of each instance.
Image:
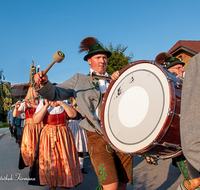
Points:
(57, 57)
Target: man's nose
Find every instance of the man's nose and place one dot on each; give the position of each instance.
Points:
(102, 60)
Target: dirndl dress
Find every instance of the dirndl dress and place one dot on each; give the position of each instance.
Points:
(80, 137)
(30, 137)
(58, 159)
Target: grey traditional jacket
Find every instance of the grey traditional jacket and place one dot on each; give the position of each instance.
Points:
(190, 113)
(86, 93)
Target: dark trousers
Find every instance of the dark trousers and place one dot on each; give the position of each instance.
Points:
(11, 130)
(15, 133)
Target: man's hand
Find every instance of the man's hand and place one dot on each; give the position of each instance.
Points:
(59, 102)
(40, 79)
(115, 75)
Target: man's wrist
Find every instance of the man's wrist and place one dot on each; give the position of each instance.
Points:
(37, 86)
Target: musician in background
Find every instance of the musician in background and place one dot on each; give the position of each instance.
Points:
(58, 159)
(9, 120)
(79, 134)
(176, 67)
(16, 123)
(190, 125)
(23, 120)
(113, 169)
(172, 64)
(31, 131)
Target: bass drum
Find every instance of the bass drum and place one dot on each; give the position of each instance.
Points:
(140, 112)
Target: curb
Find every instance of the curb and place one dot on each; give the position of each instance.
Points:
(1, 135)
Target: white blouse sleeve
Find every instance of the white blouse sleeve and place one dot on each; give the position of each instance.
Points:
(22, 107)
(40, 106)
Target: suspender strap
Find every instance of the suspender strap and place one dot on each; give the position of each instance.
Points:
(96, 130)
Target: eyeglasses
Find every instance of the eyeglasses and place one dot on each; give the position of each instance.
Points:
(179, 68)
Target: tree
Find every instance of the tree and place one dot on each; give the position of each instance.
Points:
(6, 97)
(2, 77)
(117, 60)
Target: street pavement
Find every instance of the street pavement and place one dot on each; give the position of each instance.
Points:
(163, 176)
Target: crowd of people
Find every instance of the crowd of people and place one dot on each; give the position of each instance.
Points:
(57, 136)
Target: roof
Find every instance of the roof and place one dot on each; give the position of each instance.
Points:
(19, 89)
(190, 46)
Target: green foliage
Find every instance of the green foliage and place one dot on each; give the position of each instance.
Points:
(117, 60)
(6, 98)
(3, 125)
(2, 77)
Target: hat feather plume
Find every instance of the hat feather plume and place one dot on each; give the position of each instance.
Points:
(86, 43)
(160, 58)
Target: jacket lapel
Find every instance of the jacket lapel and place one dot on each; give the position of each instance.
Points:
(95, 86)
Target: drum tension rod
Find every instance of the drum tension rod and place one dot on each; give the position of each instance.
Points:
(165, 144)
(171, 146)
(170, 112)
(179, 85)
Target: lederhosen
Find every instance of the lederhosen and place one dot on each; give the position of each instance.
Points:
(110, 166)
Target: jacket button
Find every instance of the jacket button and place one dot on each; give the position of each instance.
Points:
(94, 118)
(91, 98)
(90, 109)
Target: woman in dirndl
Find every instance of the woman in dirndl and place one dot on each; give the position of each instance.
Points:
(58, 159)
(31, 131)
(79, 135)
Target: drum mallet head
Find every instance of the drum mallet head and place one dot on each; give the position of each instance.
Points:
(57, 57)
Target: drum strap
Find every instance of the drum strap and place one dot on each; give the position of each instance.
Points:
(99, 106)
(96, 130)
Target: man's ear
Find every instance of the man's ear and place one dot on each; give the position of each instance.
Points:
(89, 61)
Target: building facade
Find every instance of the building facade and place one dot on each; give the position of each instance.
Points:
(185, 50)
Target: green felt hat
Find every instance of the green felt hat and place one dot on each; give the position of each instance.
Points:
(171, 61)
(96, 48)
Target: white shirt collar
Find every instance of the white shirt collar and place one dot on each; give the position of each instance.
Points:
(106, 74)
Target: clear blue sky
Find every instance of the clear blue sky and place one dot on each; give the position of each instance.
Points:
(38, 28)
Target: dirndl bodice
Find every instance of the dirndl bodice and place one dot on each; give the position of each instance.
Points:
(29, 111)
(55, 119)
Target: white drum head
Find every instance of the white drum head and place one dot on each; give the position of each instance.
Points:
(136, 107)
